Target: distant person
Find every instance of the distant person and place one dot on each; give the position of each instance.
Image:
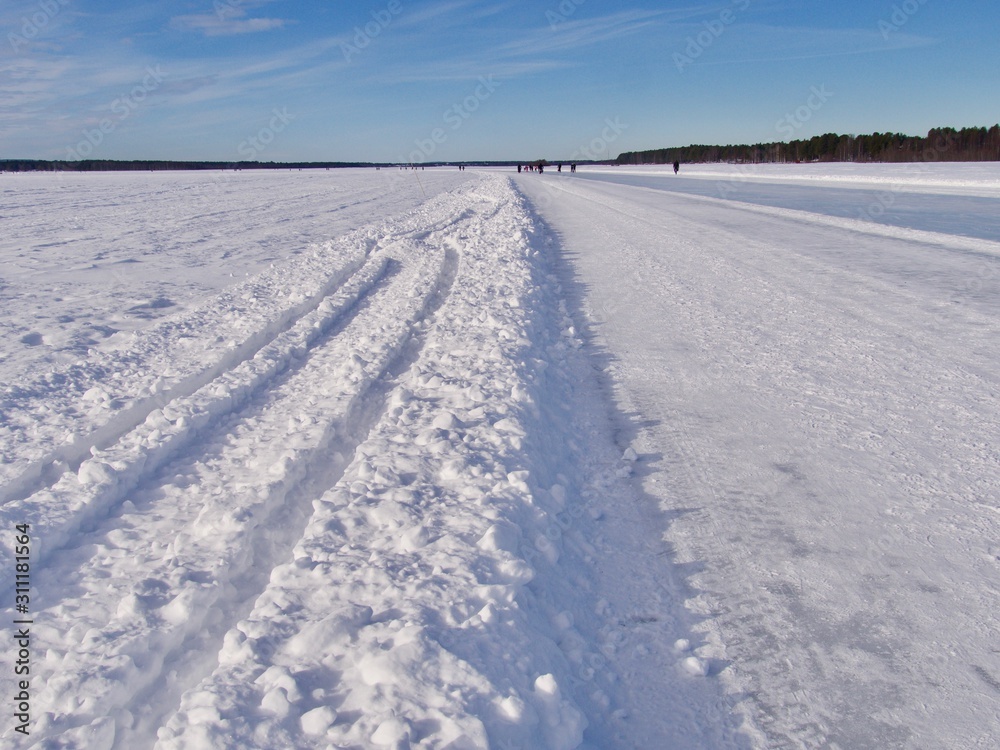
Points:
(572, 168)
(559, 168)
(519, 169)
(677, 167)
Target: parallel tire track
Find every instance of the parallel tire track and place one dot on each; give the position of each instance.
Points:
(102, 481)
(42, 473)
(172, 528)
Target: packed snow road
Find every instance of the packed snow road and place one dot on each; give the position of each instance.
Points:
(369, 497)
(815, 401)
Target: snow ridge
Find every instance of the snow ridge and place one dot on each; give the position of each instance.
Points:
(398, 622)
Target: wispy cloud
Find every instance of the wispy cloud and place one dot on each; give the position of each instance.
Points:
(585, 32)
(537, 50)
(758, 43)
(229, 19)
(456, 10)
(461, 70)
(211, 25)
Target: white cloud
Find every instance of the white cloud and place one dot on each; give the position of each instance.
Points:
(213, 25)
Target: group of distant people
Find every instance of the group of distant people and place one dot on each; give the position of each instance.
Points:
(540, 168)
(526, 168)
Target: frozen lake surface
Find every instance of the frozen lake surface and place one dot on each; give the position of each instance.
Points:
(435, 459)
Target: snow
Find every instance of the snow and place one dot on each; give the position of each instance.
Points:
(457, 460)
(912, 199)
(930, 176)
(815, 401)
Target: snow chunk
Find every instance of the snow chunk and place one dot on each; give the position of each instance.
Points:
(93, 471)
(562, 722)
(502, 536)
(695, 667)
(446, 421)
(392, 733)
(317, 721)
(332, 631)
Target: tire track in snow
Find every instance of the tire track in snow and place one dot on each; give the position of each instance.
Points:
(97, 406)
(47, 469)
(318, 596)
(145, 436)
(101, 482)
(140, 628)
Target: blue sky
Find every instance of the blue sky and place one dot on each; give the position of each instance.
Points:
(394, 80)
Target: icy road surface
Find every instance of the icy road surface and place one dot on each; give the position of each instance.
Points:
(816, 405)
(895, 204)
(382, 459)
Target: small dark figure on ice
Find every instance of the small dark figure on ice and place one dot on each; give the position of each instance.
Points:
(677, 167)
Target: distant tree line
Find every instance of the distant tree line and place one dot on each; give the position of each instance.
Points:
(940, 144)
(109, 165)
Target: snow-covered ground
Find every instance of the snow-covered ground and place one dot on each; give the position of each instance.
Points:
(463, 460)
(93, 257)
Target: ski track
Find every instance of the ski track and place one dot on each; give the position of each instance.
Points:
(52, 422)
(366, 526)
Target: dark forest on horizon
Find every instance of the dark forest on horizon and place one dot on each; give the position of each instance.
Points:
(940, 144)
(148, 165)
(156, 165)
